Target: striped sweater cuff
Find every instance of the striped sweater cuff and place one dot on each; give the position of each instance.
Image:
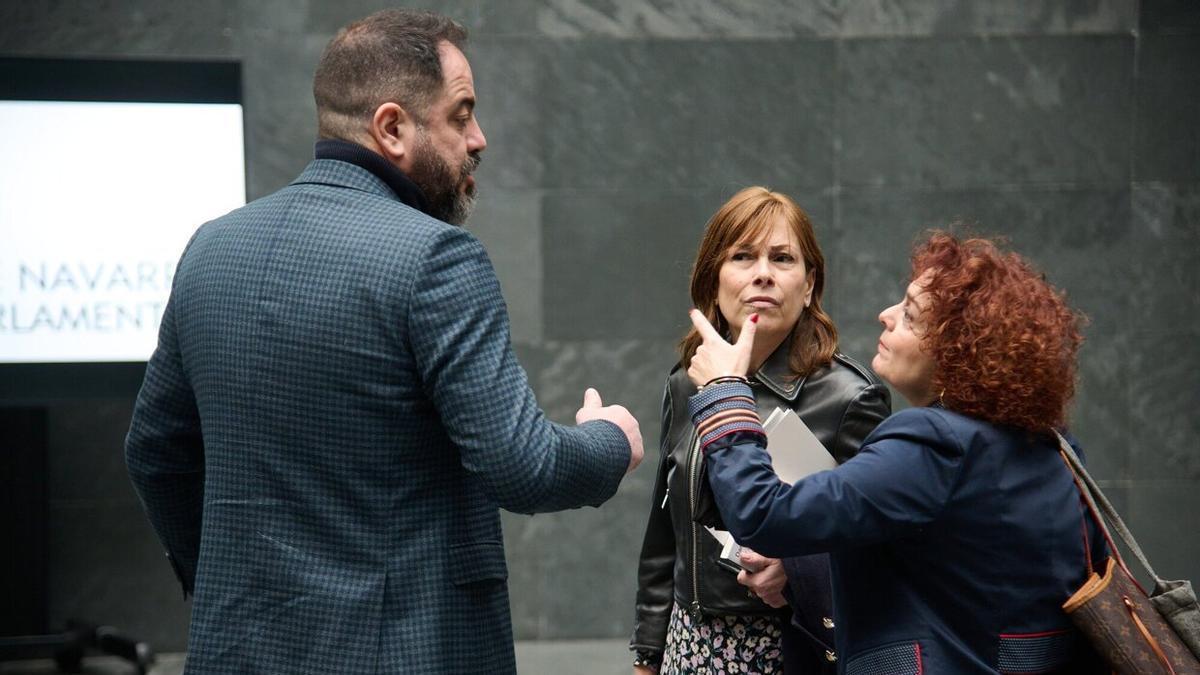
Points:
(723, 409)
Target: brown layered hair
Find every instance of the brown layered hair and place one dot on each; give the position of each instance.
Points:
(1003, 339)
(389, 57)
(745, 218)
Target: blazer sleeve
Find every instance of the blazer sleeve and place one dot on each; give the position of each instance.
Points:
(457, 327)
(164, 452)
(897, 484)
(656, 564)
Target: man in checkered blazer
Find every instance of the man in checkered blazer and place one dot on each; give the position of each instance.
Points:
(334, 414)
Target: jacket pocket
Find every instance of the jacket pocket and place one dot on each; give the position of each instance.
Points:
(899, 658)
(477, 562)
(1035, 652)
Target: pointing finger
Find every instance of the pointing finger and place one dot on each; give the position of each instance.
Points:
(707, 332)
(745, 342)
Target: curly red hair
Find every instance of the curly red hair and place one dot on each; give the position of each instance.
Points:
(1003, 339)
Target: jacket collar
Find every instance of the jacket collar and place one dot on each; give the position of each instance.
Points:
(346, 164)
(776, 373)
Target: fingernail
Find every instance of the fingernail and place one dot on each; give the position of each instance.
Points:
(754, 318)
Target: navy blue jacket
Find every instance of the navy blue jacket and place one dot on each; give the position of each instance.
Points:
(954, 542)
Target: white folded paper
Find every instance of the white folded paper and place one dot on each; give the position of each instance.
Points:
(795, 453)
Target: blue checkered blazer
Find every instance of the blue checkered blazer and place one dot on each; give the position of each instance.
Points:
(327, 429)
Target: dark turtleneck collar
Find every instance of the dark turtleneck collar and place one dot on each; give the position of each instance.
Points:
(353, 153)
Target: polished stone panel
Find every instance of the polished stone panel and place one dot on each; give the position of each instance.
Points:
(106, 565)
(868, 265)
(107, 568)
(1166, 222)
(479, 17)
(864, 18)
(131, 28)
(582, 578)
(549, 553)
(626, 372)
(1167, 145)
(281, 117)
(1101, 417)
(617, 265)
(508, 222)
(532, 358)
(1119, 493)
(1169, 16)
(1164, 396)
(522, 551)
(976, 112)
(86, 451)
(1078, 237)
(516, 18)
(630, 373)
(655, 115)
(676, 19)
(1161, 515)
(328, 17)
(869, 18)
(508, 78)
(277, 19)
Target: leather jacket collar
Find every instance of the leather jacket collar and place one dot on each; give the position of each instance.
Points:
(776, 374)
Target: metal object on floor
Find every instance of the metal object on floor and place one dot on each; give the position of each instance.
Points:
(69, 648)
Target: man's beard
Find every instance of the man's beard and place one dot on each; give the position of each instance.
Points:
(446, 199)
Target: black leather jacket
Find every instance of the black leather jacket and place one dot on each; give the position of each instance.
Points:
(841, 403)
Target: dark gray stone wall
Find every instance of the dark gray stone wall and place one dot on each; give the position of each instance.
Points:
(617, 126)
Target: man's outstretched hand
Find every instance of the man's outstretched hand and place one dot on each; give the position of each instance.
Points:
(594, 409)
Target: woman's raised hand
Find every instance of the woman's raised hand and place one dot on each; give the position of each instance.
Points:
(716, 357)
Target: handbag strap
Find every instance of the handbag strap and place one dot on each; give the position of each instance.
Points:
(1147, 635)
(1088, 508)
(1094, 496)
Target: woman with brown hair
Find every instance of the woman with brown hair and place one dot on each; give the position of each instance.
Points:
(758, 256)
(957, 533)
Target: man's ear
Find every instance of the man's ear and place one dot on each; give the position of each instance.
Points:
(394, 132)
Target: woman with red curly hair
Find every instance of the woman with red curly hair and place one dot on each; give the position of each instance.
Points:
(956, 532)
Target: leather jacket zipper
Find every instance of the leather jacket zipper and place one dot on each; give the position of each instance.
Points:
(693, 477)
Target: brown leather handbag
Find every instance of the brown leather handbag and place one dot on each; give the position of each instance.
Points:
(1129, 628)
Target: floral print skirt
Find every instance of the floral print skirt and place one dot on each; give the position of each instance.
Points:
(722, 644)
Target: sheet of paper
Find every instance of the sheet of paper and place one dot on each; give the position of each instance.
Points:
(730, 550)
(795, 452)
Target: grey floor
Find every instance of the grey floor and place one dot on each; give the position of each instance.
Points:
(562, 657)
